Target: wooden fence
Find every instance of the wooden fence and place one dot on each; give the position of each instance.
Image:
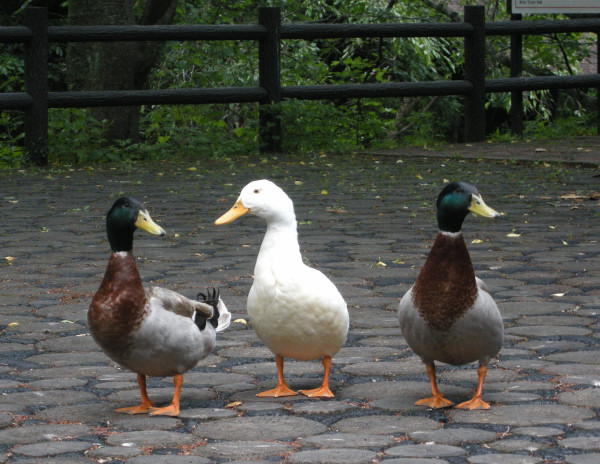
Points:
(36, 34)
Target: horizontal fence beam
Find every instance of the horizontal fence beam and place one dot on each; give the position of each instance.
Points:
(22, 100)
(15, 101)
(393, 89)
(15, 34)
(155, 33)
(345, 31)
(508, 84)
(86, 99)
(542, 27)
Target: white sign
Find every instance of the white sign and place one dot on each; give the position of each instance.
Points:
(555, 6)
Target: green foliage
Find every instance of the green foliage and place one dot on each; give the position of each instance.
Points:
(337, 126)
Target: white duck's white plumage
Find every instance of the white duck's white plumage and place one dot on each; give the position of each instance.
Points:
(295, 310)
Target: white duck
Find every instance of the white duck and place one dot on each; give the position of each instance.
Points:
(294, 309)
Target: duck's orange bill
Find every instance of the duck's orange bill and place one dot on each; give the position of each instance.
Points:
(235, 212)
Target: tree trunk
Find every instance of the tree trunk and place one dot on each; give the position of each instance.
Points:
(114, 65)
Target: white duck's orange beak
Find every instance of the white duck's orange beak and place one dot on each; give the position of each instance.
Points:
(235, 212)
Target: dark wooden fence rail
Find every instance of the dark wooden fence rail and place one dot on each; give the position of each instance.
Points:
(36, 34)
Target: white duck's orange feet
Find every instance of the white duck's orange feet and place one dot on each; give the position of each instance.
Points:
(475, 403)
(435, 402)
(321, 392)
(280, 390)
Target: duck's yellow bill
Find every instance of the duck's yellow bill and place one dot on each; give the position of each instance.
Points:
(235, 212)
(145, 222)
(479, 207)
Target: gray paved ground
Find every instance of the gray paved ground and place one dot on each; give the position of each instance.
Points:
(368, 222)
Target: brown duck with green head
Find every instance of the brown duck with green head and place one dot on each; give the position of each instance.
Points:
(150, 331)
(448, 315)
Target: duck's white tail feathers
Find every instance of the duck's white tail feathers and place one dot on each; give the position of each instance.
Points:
(224, 316)
(481, 284)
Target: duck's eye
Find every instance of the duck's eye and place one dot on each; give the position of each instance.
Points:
(256, 190)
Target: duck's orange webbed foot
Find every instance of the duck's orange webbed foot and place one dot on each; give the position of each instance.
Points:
(321, 392)
(474, 403)
(280, 390)
(172, 410)
(141, 409)
(435, 402)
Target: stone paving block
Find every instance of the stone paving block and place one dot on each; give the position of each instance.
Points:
(57, 384)
(126, 422)
(523, 415)
(260, 428)
(333, 456)
(50, 448)
(29, 434)
(516, 445)
(206, 413)
(504, 459)
(68, 359)
(425, 451)
(591, 458)
(580, 356)
(46, 397)
(384, 425)
(587, 398)
(586, 443)
(454, 436)
(234, 449)
(93, 412)
(349, 440)
(538, 431)
(114, 452)
(77, 343)
(511, 397)
(414, 461)
(321, 407)
(174, 459)
(155, 438)
(404, 366)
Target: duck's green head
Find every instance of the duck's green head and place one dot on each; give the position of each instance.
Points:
(455, 201)
(126, 215)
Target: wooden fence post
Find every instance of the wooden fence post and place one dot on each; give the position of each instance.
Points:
(598, 88)
(475, 73)
(269, 112)
(36, 84)
(516, 69)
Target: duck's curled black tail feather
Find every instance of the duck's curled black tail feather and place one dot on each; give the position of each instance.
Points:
(212, 298)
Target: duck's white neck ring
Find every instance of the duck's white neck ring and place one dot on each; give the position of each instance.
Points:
(450, 234)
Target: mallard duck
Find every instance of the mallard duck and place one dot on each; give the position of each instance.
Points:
(448, 314)
(152, 331)
(295, 310)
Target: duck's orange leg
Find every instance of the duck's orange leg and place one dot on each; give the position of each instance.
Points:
(437, 400)
(146, 405)
(282, 388)
(476, 402)
(173, 409)
(323, 391)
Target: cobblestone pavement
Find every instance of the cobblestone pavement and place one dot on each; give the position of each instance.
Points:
(368, 222)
